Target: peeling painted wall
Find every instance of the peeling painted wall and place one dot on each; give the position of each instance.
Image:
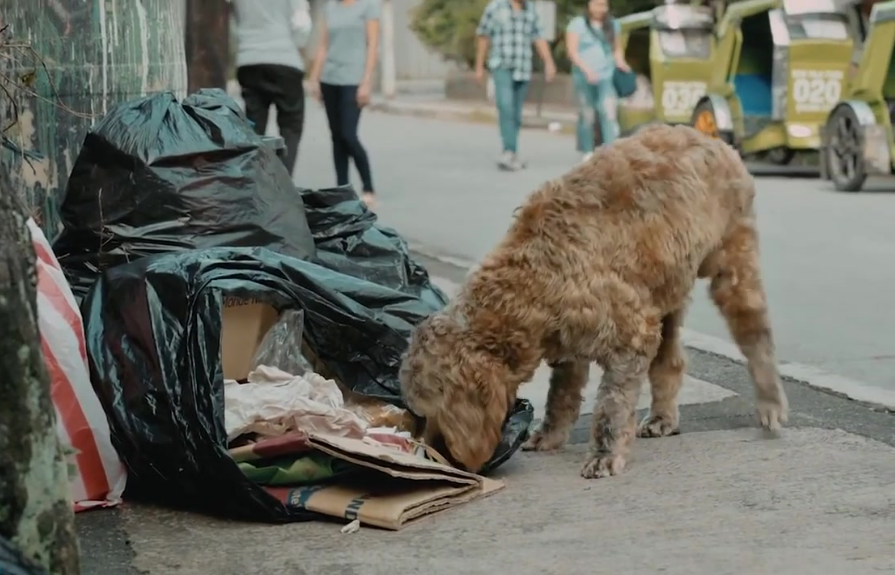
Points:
(66, 63)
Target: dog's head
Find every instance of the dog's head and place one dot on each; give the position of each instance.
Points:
(458, 388)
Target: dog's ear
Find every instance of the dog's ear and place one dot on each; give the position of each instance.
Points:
(471, 419)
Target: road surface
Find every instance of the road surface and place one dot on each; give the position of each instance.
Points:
(716, 499)
(828, 257)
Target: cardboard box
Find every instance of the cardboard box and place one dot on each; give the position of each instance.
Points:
(244, 324)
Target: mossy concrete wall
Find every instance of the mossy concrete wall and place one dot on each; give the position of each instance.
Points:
(65, 63)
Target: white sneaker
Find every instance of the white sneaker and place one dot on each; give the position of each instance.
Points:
(586, 157)
(506, 161)
(510, 162)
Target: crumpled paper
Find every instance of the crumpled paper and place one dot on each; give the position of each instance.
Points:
(274, 402)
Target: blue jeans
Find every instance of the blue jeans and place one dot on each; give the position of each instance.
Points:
(598, 100)
(509, 95)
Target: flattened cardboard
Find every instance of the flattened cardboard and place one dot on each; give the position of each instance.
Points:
(399, 489)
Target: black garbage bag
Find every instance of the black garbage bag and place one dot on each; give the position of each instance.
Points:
(349, 239)
(515, 433)
(153, 331)
(156, 175)
(13, 563)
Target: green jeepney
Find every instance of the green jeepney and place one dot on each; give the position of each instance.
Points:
(670, 50)
(779, 68)
(858, 138)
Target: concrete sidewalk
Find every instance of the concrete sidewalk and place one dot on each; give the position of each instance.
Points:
(723, 502)
(718, 503)
(554, 118)
(718, 499)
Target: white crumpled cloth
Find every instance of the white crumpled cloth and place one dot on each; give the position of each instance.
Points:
(274, 402)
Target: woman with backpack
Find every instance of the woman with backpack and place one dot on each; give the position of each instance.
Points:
(595, 51)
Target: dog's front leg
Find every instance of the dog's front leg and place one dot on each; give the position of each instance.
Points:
(614, 423)
(567, 380)
(666, 376)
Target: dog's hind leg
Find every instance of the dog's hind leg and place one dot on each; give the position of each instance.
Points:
(666, 375)
(567, 380)
(614, 423)
(737, 290)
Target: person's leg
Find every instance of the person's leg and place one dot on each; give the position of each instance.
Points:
(332, 103)
(503, 97)
(257, 100)
(607, 108)
(289, 100)
(349, 124)
(586, 113)
(520, 91)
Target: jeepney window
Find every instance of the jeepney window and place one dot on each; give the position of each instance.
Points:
(686, 43)
(818, 27)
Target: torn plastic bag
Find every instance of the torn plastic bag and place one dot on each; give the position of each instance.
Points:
(349, 240)
(156, 175)
(515, 433)
(281, 346)
(13, 563)
(154, 348)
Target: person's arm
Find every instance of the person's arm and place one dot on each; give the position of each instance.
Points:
(319, 59)
(572, 50)
(481, 50)
(372, 31)
(543, 49)
(300, 20)
(483, 38)
(619, 51)
(573, 35)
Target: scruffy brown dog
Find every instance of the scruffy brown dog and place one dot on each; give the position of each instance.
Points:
(598, 266)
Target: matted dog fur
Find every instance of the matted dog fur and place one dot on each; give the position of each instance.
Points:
(597, 266)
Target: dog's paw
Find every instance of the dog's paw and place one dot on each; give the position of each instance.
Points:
(541, 441)
(772, 413)
(660, 425)
(598, 466)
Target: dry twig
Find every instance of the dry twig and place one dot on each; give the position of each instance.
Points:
(10, 50)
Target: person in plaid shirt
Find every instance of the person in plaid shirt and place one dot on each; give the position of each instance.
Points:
(509, 28)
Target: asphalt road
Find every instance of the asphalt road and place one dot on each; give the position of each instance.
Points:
(819, 500)
(827, 256)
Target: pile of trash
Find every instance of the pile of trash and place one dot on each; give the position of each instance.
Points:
(243, 336)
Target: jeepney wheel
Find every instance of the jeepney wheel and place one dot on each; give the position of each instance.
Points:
(780, 156)
(705, 121)
(845, 159)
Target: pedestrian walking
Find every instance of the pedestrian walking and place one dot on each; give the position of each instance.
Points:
(342, 78)
(269, 65)
(595, 51)
(506, 33)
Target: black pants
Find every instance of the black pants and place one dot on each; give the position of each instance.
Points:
(343, 115)
(266, 84)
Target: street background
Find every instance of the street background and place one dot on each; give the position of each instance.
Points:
(720, 498)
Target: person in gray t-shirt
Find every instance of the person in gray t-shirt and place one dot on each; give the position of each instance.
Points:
(269, 67)
(342, 76)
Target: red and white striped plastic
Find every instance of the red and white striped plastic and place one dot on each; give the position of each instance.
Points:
(80, 420)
